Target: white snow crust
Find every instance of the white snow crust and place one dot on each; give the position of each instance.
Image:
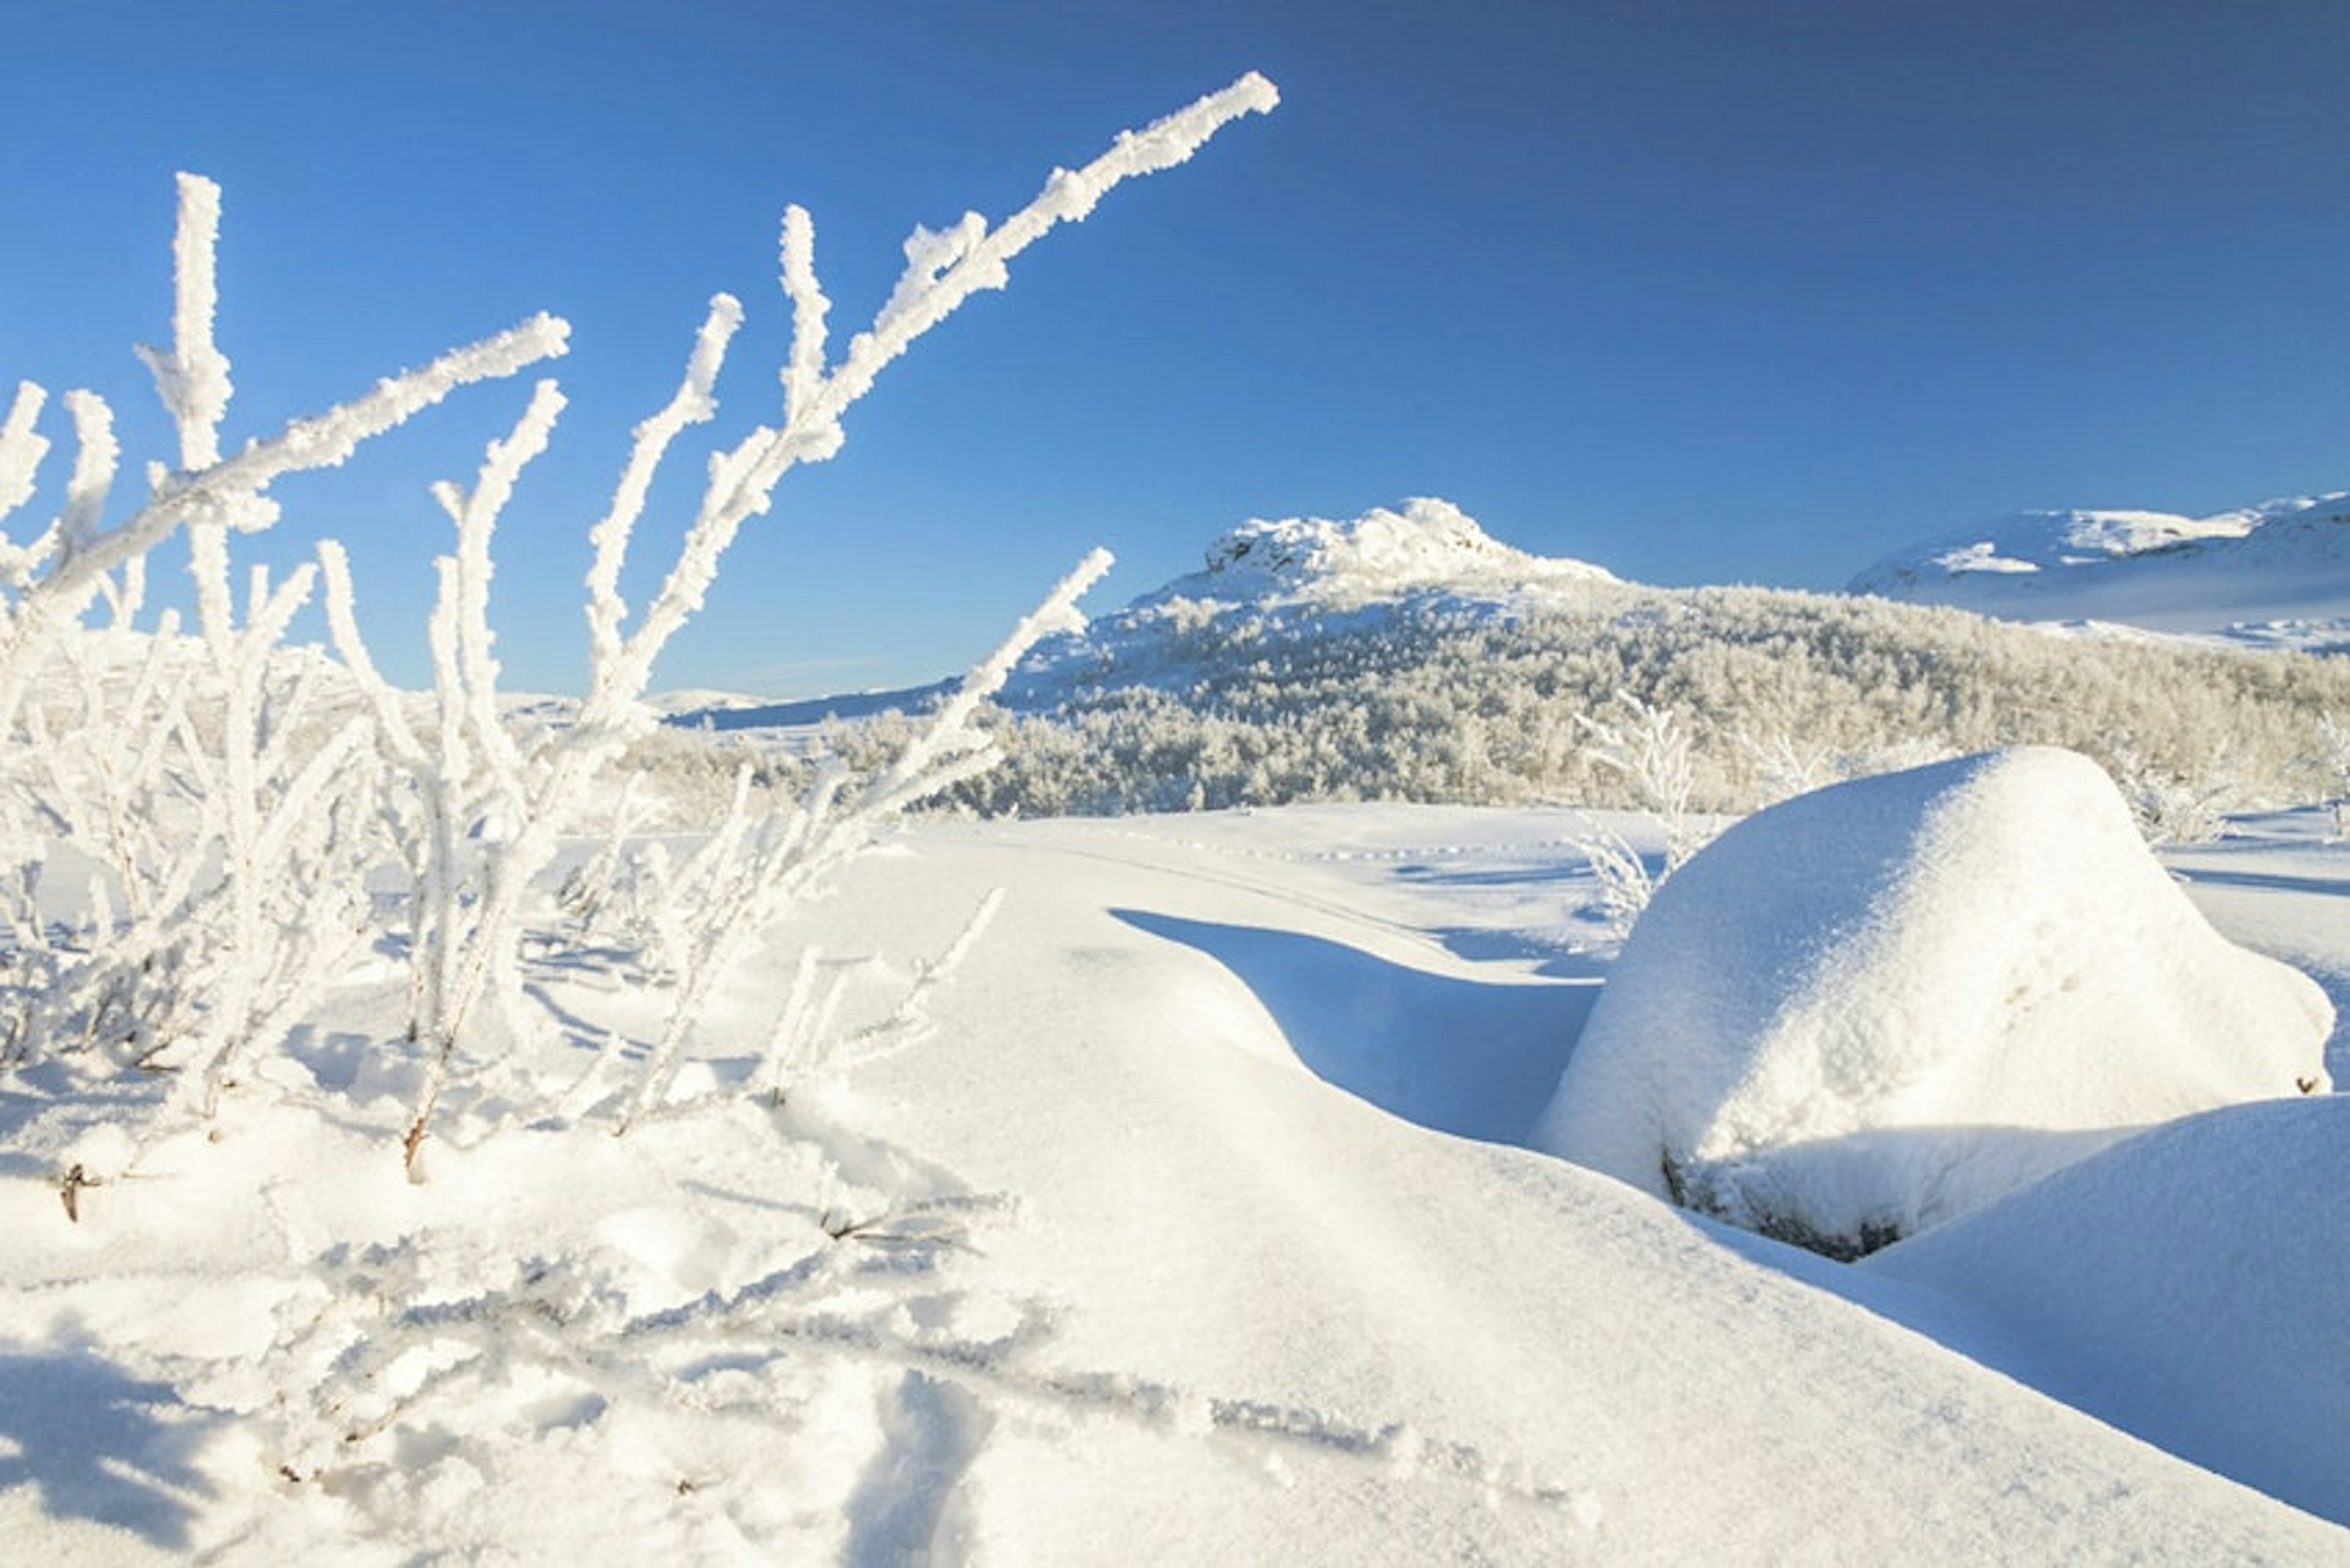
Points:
(1876, 1007)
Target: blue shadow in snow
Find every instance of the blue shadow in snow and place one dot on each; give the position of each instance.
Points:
(1476, 1059)
(100, 1445)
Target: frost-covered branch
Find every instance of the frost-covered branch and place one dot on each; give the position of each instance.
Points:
(746, 880)
(191, 379)
(21, 447)
(1649, 749)
(53, 581)
(942, 273)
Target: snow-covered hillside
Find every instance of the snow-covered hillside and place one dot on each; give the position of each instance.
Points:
(2275, 575)
(1408, 655)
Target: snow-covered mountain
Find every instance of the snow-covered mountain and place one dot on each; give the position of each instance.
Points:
(2277, 574)
(1425, 553)
(1306, 578)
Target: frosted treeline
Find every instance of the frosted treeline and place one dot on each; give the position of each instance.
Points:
(1429, 699)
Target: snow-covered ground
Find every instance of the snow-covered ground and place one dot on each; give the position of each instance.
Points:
(1201, 1228)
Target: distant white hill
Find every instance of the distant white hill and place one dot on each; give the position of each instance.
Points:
(2274, 574)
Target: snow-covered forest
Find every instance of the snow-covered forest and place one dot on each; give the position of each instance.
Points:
(1387, 1050)
(1443, 695)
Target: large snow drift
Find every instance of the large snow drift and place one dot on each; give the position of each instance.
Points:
(1883, 1005)
(2186, 1286)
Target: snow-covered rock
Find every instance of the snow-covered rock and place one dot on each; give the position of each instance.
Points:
(1884, 1004)
(1428, 543)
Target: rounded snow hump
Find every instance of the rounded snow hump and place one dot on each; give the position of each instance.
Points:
(1877, 1006)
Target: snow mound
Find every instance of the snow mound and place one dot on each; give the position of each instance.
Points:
(2186, 1286)
(1428, 543)
(1881, 1005)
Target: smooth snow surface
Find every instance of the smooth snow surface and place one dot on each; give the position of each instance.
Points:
(1872, 1008)
(1165, 1246)
(2187, 1285)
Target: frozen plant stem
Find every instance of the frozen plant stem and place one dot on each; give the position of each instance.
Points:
(210, 787)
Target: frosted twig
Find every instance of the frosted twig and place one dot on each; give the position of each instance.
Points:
(949, 739)
(97, 454)
(192, 379)
(694, 402)
(935, 283)
(21, 447)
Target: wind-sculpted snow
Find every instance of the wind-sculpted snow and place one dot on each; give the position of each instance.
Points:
(1153, 1246)
(2187, 1285)
(1879, 1007)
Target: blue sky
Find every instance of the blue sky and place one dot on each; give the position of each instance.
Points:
(1703, 290)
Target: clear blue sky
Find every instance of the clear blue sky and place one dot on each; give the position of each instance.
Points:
(1703, 290)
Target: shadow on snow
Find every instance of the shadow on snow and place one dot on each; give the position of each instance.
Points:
(100, 1444)
(1467, 1057)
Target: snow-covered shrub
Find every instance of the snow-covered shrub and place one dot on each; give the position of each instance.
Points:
(218, 781)
(2180, 803)
(2331, 762)
(1648, 749)
(1883, 1005)
(469, 887)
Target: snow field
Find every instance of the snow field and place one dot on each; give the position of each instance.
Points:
(1104, 1258)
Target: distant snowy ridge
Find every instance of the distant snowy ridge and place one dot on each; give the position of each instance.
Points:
(2277, 574)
